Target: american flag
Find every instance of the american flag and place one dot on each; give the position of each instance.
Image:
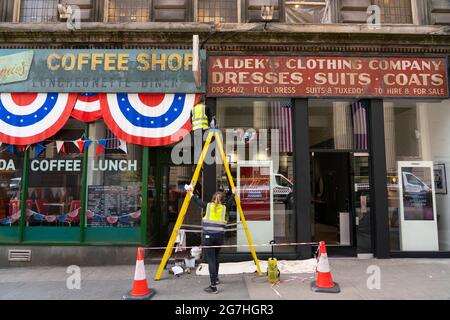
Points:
(359, 122)
(282, 120)
(112, 142)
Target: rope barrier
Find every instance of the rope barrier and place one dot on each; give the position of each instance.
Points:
(238, 245)
(200, 226)
(201, 231)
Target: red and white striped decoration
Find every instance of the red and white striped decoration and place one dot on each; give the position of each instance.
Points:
(87, 108)
(359, 121)
(282, 120)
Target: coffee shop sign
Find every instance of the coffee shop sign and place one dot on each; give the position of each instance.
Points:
(112, 70)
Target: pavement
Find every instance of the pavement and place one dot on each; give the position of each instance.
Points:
(371, 279)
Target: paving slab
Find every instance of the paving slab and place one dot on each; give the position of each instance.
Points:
(420, 279)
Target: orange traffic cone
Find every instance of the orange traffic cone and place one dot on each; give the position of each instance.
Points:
(140, 290)
(324, 282)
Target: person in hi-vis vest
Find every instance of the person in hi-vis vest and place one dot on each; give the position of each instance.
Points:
(200, 123)
(213, 227)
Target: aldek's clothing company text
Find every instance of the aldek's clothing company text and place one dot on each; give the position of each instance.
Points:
(329, 76)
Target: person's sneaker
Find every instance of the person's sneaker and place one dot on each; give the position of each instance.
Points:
(211, 289)
(217, 281)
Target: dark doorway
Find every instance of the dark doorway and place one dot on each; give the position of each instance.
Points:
(332, 200)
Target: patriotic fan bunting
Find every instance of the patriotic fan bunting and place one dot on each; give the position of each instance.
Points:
(148, 119)
(28, 118)
(144, 119)
(87, 107)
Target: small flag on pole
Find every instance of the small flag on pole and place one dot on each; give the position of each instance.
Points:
(123, 146)
(79, 144)
(87, 143)
(11, 149)
(38, 149)
(101, 146)
(60, 147)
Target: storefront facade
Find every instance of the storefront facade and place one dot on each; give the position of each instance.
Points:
(347, 115)
(324, 128)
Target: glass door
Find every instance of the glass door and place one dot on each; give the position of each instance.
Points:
(166, 196)
(173, 180)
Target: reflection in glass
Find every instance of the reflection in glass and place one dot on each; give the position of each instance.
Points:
(260, 130)
(10, 187)
(417, 131)
(114, 197)
(338, 125)
(54, 180)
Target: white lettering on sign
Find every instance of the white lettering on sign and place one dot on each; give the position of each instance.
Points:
(56, 165)
(75, 165)
(114, 165)
(7, 165)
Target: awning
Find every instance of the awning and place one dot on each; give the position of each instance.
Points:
(144, 119)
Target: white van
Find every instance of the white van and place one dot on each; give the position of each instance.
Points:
(413, 184)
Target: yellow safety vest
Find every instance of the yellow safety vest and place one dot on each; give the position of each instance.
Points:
(199, 118)
(214, 220)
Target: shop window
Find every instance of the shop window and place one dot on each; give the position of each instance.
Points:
(338, 125)
(217, 11)
(54, 179)
(129, 11)
(6, 10)
(11, 163)
(257, 136)
(439, 11)
(38, 11)
(114, 196)
(316, 11)
(417, 161)
(395, 11)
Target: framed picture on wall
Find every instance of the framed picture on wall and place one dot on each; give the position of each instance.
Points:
(440, 178)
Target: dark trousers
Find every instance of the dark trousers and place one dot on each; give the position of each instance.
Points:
(212, 254)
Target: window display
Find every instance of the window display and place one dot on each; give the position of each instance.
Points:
(256, 187)
(257, 132)
(114, 197)
(417, 147)
(10, 186)
(54, 179)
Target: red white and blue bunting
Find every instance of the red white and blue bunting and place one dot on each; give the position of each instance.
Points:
(144, 119)
(27, 118)
(87, 108)
(148, 119)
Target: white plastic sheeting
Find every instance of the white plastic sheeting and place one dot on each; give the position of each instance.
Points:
(306, 11)
(285, 266)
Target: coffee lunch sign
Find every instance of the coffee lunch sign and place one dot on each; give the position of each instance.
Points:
(327, 76)
(124, 71)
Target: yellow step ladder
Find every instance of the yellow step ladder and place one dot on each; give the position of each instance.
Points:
(217, 134)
